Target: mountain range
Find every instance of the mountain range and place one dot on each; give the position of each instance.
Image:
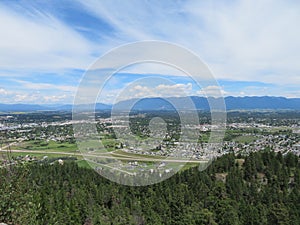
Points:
(201, 103)
(37, 107)
(148, 104)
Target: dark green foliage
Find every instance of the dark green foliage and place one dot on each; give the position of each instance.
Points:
(264, 190)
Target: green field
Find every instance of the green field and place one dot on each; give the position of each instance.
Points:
(47, 146)
(245, 138)
(83, 163)
(56, 149)
(37, 155)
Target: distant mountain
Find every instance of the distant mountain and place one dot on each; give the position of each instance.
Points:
(201, 103)
(35, 107)
(148, 104)
(265, 102)
(21, 107)
(98, 106)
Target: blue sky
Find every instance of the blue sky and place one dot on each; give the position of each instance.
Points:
(252, 47)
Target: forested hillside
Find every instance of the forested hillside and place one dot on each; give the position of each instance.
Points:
(262, 188)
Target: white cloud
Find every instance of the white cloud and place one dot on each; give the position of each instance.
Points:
(3, 91)
(145, 91)
(34, 96)
(55, 98)
(240, 40)
(38, 98)
(46, 86)
(40, 42)
(26, 97)
(253, 40)
(153, 68)
(212, 91)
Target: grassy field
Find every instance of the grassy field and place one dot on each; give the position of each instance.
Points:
(83, 163)
(49, 149)
(37, 155)
(245, 138)
(46, 146)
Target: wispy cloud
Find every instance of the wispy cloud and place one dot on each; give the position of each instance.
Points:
(253, 41)
(46, 86)
(41, 41)
(34, 97)
(161, 90)
(241, 40)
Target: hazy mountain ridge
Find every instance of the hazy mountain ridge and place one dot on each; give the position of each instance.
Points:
(201, 103)
(37, 107)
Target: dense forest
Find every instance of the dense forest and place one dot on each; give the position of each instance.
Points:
(261, 188)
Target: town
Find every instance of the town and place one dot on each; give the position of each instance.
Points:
(49, 136)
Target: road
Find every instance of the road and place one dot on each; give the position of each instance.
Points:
(109, 156)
